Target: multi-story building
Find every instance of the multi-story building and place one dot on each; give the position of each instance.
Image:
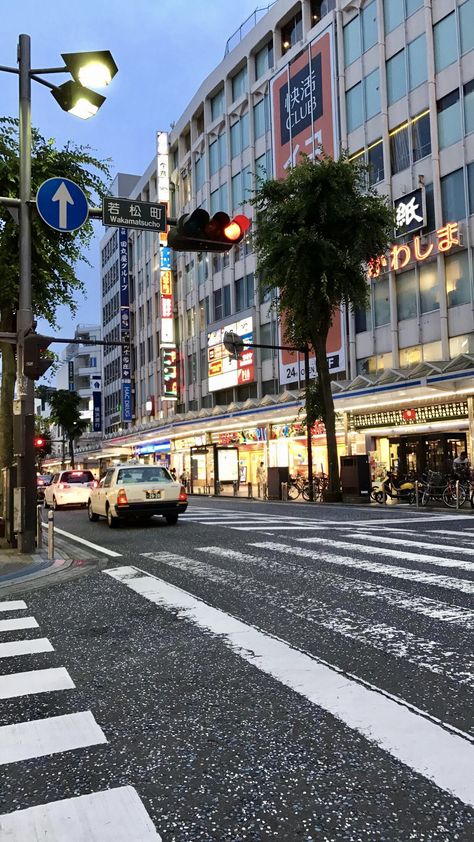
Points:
(392, 82)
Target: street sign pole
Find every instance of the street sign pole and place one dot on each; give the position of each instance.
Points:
(24, 418)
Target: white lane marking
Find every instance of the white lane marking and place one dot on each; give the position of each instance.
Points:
(97, 547)
(432, 608)
(449, 582)
(436, 753)
(25, 647)
(398, 554)
(392, 641)
(283, 526)
(35, 681)
(423, 545)
(114, 815)
(23, 740)
(414, 518)
(13, 605)
(461, 534)
(18, 623)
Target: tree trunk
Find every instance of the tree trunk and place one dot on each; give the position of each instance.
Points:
(71, 453)
(322, 367)
(7, 391)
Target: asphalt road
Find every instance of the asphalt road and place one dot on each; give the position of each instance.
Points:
(259, 671)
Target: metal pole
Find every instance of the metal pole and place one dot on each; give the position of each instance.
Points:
(50, 534)
(39, 528)
(25, 387)
(457, 494)
(309, 441)
(417, 494)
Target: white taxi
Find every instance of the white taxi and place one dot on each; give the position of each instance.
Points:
(137, 492)
(69, 488)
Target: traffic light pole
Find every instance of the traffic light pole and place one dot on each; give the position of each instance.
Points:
(24, 404)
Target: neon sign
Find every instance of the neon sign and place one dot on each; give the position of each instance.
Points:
(400, 255)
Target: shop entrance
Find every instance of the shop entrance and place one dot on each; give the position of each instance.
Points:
(413, 455)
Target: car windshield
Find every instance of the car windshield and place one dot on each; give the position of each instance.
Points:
(143, 474)
(77, 477)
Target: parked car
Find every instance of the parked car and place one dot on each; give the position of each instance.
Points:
(137, 492)
(69, 488)
(42, 480)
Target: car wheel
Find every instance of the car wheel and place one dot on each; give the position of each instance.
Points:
(92, 515)
(112, 521)
(171, 520)
(55, 505)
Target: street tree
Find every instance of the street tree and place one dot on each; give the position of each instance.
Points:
(55, 255)
(65, 412)
(316, 231)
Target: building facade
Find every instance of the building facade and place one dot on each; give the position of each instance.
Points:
(393, 83)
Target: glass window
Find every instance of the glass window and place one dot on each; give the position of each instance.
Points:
(244, 130)
(239, 295)
(368, 18)
(417, 65)
(264, 60)
(470, 181)
(266, 338)
(375, 161)
(393, 14)
(261, 168)
(381, 303)
(468, 91)
(412, 6)
(235, 147)
(259, 121)
(239, 84)
(217, 105)
(237, 194)
(363, 319)
(432, 351)
(461, 345)
(352, 45)
(226, 300)
(445, 42)
(452, 196)
(218, 309)
(372, 94)
(400, 150)
(449, 119)
(410, 356)
(458, 286)
(354, 107)
(430, 208)
(214, 164)
(466, 25)
(421, 137)
(407, 306)
(199, 170)
(429, 287)
(396, 77)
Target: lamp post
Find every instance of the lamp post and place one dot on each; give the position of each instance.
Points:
(234, 344)
(97, 68)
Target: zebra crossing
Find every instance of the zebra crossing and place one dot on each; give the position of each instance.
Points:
(115, 814)
(420, 606)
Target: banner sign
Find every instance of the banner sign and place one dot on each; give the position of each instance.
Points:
(169, 356)
(170, 373)
(70, 369)
(127, 409)
(415, 415)
(410, 212)
(96, 411)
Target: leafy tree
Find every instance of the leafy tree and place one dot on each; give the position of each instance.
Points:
(55, 255)
(316, 230)
(65, 412)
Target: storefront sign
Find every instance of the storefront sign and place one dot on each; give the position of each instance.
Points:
(153, 447)
(296, 430)
(70, 369)
(169, 357)
(126, 371)
(303, 105)
(97, 411)
(410, 212)
(401, 417)
(169, 370)
(443, 240)
(252, 436)
(223, 370)
(127, 410)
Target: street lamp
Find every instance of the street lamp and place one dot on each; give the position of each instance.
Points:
(235, 345)
(95, 68)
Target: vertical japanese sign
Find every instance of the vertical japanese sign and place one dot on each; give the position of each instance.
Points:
(96, 387)
(127, 414)
(70, 371)
(169, 377)
(304, 121)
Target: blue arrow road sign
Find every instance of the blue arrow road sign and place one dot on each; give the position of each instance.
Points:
(62, 204)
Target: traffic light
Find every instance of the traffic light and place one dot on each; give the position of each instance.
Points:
(36, 360)
(39, 442)
(196, 231)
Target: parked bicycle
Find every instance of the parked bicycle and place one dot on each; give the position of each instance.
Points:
(320, 483)
(441, 490)
(295, 487)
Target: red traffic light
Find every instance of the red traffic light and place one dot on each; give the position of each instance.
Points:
(197, 231)
(39, 442)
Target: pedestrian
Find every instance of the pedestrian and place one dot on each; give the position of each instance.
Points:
(461, 464)
(173, 473)
(184, 479)
(261, 478)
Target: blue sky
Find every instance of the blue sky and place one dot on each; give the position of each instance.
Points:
(164, 49)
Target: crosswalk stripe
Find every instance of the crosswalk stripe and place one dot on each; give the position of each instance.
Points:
(432, 608)
(398, 554)
(24, 740)
(438, 753)
(393, 641)
(13, 605)
(35, 681)
(113, 815)
(18, 623)
(423, 545)
(460, 534)
(439, 581)
(14, 648)
(283, 527)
